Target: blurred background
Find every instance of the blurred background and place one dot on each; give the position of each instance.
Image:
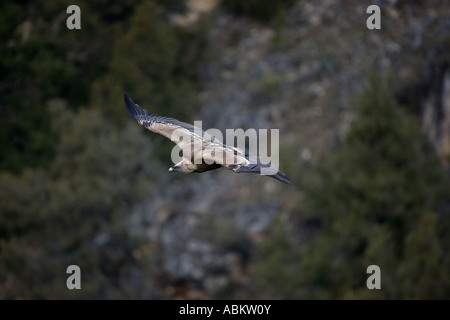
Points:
(364, 120)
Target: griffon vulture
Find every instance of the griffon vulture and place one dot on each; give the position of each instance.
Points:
(196, 145)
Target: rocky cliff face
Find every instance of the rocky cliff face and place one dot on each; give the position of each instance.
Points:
(298, 77)
(435, 112)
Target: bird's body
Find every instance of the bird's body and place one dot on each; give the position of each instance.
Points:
(201, 152)
(189, 167)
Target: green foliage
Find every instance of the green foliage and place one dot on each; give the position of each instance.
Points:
(377, 192)
(41, 60)
(267, 89)
(69, 174)
(264, 10)
(155, 62)
(145, 56)
(276, 269)
(380, 198)
(73, 213)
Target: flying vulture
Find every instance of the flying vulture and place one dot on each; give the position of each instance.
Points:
(195, 145)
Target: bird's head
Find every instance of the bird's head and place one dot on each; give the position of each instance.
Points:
(175, 169)
(185, 168)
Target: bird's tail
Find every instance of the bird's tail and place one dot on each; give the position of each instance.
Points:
(256, 168)
(280, 176)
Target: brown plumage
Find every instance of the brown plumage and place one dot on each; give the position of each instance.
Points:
(197, 146)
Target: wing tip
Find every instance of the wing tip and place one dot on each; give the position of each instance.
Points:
(128, 101)
(280, 176)
(132, 108)
(284, 178)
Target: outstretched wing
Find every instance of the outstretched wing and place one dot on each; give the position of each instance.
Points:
(179, 132)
